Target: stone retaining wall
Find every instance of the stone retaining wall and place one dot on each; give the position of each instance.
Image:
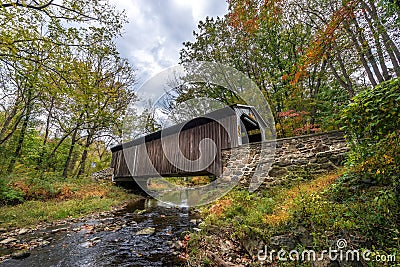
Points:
(294, 157)
(103, 175)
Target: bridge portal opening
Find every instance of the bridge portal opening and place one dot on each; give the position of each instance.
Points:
(251, 132)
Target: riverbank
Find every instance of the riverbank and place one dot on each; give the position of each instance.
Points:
(17, 242)
(38, 201)
(143, 232)
(312, 213)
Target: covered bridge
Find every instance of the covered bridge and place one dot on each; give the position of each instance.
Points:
(152, 154)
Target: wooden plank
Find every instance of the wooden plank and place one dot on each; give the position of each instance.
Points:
(187, 143)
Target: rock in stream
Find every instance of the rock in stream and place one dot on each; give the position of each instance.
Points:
(123, 238)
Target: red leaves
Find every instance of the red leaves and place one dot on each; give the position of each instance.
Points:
(291, 113)
(297, 123)
(308, 128)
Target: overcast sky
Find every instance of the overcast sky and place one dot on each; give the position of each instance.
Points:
(157, 29)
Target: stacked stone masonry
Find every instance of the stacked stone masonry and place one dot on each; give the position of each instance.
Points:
(300, 156)
(103, 175)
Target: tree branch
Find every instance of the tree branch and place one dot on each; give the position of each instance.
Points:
(18, 4)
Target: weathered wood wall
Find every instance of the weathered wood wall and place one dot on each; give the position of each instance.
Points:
(147, 158)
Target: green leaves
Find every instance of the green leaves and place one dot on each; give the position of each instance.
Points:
(374, 113)
(268, 41)
(372, 125)
(60, 73)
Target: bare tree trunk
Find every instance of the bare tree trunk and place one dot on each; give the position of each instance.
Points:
(349, 83)
(390, 46)
(16, 124)
(368, 52)
(379, 49)
(53, 152)
(346, 83)
(82, 164)
(361, 55)
(46, 134)
(13, 114)
(67, 165)
(8, 120)
(21, 138)
(315, 86)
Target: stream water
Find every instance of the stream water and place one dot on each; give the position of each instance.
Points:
(142, 234)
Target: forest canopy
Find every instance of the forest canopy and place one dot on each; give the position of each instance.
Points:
(309, 58)
(64, 86)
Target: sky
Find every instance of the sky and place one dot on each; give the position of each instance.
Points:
(157, 28)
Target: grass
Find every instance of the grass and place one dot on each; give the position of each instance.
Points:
(288, 199)
(271, 207)
(324, 208)
(55, 198)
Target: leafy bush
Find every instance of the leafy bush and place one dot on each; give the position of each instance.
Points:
(9, 195)
(372, 125)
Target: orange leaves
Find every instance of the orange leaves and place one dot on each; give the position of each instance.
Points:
(324, 39)
(243, 17)
(64, 193)
(247, 15)
(300, 73)
(220, 206)
(91, 191)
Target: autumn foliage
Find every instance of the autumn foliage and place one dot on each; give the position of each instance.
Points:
(324, 40)
(249, 14)
(296, 123)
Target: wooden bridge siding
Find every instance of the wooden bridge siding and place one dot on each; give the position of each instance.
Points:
(188, 143)
(119, 164)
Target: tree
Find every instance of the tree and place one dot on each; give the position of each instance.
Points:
(301, 52)
(264, 42)
(60, 59)
(361, 27)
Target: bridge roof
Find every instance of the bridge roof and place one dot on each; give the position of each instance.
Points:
(206, 118)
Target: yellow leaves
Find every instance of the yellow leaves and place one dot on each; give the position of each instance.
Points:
(388, 159)
(376, 164)
(281, 213)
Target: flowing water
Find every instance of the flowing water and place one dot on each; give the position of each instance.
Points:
(142, 234)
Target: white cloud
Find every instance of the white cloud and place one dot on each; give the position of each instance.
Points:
(199, 8)
(157, 28)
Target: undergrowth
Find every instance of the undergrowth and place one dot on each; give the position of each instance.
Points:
(322, 210)
(28, 199)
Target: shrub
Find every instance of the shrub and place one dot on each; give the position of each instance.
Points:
(372, 126)
(9, 195)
